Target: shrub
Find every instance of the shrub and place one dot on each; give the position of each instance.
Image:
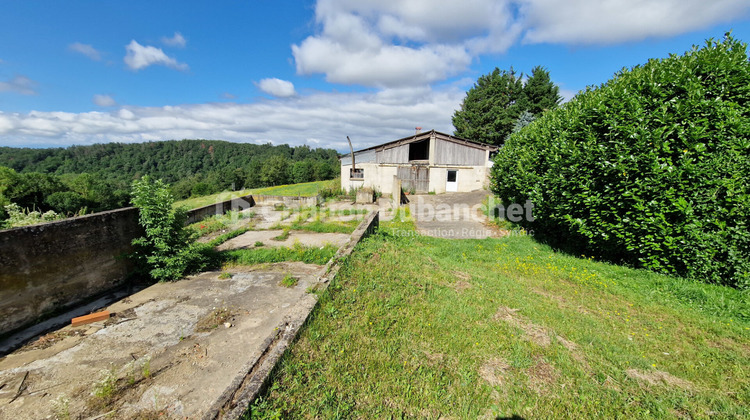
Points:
(651, 168)
(168, 250)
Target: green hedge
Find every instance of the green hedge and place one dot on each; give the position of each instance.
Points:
(650, 169)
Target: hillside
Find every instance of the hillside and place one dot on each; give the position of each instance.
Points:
(98, 177)
(169, 160)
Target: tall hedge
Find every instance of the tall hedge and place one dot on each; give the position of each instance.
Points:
(651, 169)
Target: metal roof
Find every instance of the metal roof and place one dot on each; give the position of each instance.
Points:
(426, 135)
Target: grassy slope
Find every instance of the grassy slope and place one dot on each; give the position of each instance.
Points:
(307, 189)
(424, 327)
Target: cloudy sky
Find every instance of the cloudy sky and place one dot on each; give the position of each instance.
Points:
(308, 72)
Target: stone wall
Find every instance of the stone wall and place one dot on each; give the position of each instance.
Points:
(235, 204)
(56, 265)
(288, 201)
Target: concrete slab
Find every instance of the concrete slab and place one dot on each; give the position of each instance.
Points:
(165, 349)
(249, 239)
(452, 215)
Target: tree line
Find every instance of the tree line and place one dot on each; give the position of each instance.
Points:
(501, 103)
(99, 177)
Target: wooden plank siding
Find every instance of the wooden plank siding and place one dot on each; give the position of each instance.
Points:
(398, 154)
(449, 153)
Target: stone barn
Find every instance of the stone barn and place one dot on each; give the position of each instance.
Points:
(423, 162)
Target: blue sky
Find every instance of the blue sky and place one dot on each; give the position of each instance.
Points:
(308, 72)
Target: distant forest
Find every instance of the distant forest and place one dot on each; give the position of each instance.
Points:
(98, 177)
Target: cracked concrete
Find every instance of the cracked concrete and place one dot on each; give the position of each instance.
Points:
(152, 359)
(187, 370)
(452, 215)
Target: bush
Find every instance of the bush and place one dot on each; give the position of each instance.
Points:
(66, 202)
(168, 250)
(652, 168)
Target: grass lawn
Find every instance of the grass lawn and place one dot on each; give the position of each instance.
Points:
(307, 189)
(423, 327)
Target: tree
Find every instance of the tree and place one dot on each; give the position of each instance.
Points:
(274, 171)
(167, 251)
(540, 94)
(303, 171)
(490, 108)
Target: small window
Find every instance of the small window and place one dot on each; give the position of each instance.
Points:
(357, 173)
(452, 176)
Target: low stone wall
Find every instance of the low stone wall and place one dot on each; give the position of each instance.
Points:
(235, 204)
(288, 201)
(56, 265)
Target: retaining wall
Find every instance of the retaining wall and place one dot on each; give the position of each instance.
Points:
(54, 266)
(288, 201)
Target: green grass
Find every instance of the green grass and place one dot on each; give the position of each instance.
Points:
(310, 255)
(220, 222)
(307, 189)
(289, 281)
(424, 327)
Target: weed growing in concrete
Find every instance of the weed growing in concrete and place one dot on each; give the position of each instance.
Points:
(309, 255)
(283, 237)
(214, 318)
(146, 368)
(258, 244)
(61, 407)
(225, 275)
(289, 281)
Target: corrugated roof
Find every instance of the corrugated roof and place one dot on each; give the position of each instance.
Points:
(423, 136)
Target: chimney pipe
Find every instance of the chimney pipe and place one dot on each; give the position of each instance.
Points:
(419, 129)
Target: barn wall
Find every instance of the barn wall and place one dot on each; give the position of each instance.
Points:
(398, 154)
(449, 153)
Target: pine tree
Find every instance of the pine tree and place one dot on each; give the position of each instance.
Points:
(540, 94)
(491, 108)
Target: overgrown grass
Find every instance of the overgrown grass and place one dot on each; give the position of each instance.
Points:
(310, 255)
(423, 327)
(220, 222)
(195, 202)
(306, 189)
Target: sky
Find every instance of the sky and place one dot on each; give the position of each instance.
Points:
(82, 72)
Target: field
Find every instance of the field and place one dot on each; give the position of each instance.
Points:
(307, 189)
(430, 328)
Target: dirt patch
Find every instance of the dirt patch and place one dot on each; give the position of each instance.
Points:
(658, 377)
(50, 339)
(461, 275)
(542, 375)
(537, 334)
(494, 370)
(214, 319)
(460, 286)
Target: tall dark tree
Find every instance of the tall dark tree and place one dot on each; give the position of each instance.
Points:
(491, 107)
(540, 94)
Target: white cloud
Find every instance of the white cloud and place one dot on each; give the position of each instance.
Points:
(19, 84)
(325, 118)
(277, 87)
(104, 100)
(399, 43)
(615, 21)
(85, 49)
(176, 41)
(139, 56)
(391, 43)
